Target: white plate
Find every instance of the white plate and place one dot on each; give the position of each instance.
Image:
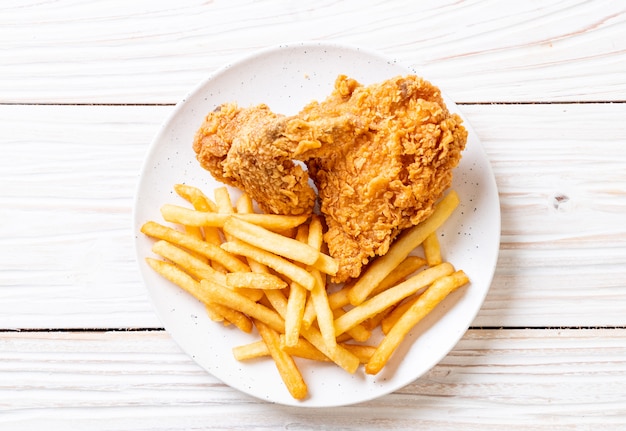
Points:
(286, 78)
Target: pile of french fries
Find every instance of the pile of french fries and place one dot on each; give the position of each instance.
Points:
(269, 272)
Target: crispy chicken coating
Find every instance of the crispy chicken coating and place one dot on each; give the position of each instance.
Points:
(380, 157)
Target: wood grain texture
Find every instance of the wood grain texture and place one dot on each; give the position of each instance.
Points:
(156, 51)
(492, 380)
(84, 87)
(67, 193)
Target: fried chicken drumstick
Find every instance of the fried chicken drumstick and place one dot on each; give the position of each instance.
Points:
(380, 156)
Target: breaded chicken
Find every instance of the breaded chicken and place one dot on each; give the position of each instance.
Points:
(380, 157)
(237, 145)
(386, 156)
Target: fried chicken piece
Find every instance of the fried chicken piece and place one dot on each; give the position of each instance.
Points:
(380, 157)
(384, 155)
(237, 145)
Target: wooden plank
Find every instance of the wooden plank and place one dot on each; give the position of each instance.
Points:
(492, 380)
(155, 51)
(68, 184)
(562, 188)
(68, 178)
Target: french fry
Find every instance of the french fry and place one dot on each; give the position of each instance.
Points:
(310, 314)
(223, 200)
(339, 354)
(244, 204)
(210, 251)
(325, 317)
(401, 248)
(315, 234)
(324, 263)
(273, 222)
(189, 217)
(285, 364)
(295, 310)
(361, 351)
(196, 197)
(222, 295)
(394, 315)
(432, 249)
(201, 202)
(407, 267)
(303, 349)
(254, 280)
(179, 277)
(235, 317)
(270, 241)
(391, 296)
(191, 264)
(436, 293)
(256, 349)
(277, 263)
(358, 333)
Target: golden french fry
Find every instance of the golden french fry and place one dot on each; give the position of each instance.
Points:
(391, 296)
(297, 300)
(287, 368)
(201, 202)
(315, 234)
(223, 200)
(358, 333)
(325, 317)
(244, 204)
(432, 249)
(407, 267)
(214, 315)
(189, 217)
(270, 241)
(189, 263)
(303, 349)
(196, 197)
(222, 295)
(273, 222)
(277, 263)
(319, 297)
(310, 314)
(293, 316)
(436, 293)
(254, 280)
(210, 251)
(257, 349)
(339, 355)
(401, 248)
(326, 264)
(179, 277)
(361, 351)
(235, 317)
(394, 315)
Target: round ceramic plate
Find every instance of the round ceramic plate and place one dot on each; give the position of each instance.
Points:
(286, 78)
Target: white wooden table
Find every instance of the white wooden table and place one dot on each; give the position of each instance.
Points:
(84, 87)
